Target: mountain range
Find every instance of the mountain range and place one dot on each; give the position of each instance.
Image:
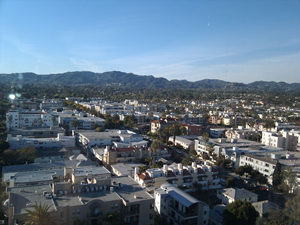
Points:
(122, 79)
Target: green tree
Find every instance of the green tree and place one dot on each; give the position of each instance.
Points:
(205, 137)
(277, 175)
(42, 215)
(53, 119)
(223, 163)
(187, 160)
(9, 157)
(27, 154)
(156, 145)
(115, 218)
(130, 121)
(75, 123)
(292, 207)
(150, 115)
(164, 134)
(261, 179)
(269, 123)
(175, 131)
(230, 182)
(290, 178)
(9, 120)
(183, 130)
(240, 212)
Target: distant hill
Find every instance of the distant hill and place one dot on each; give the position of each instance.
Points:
(116, 78)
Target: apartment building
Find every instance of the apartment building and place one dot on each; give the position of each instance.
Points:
(122, 155)
(162, 123)
(36, 172)
(38, 132)
(272, 139)
(18, 118)
(50, 104)
(108, 137)
(60, 141)
(229, 195)
(264, 165)
(216, 132)
(223, 143)
(192, 129)
(85, 122)
(288, 140)
(240, 133)
(89, 201)
(178, 207)
(180, 176)
(185, 141)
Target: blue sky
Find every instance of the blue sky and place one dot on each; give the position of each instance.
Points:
(234, 40)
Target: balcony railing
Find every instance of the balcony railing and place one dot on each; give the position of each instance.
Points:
(184, 215)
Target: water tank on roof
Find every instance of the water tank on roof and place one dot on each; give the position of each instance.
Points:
(180, 166)
(165, 167)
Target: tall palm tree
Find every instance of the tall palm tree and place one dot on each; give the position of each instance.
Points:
(156, 145)
(75, 123)
(175, 131)
(205, 138)
(114, 218)
(41, 215)
(290, 178)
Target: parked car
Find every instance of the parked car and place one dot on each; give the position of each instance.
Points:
(264, 188)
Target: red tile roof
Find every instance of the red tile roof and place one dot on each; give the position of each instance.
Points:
(124, 149)
(145, 176)
(170, 173)
(186, 172)
(200, 171)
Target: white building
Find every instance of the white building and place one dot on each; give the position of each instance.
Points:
(180, 176)
(216, 132)
(178, 207)
(17, 118)
(272, 139)
(109, 137)
(60, 141)
(229, 195)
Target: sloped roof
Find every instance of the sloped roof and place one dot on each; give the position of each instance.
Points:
(170, 173)
(179, 195)
(145, 176)
(200, 171)
(186, 172)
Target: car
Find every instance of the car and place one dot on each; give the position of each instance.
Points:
(264, 188)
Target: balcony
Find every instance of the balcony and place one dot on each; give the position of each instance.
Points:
(184, 215)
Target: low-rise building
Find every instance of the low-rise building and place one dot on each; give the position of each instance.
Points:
(229, 195)
(89, 202)
(60, 141)
(180, 176)
(178, 207)
(184, 141)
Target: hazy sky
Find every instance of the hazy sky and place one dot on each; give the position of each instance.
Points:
(232, 40)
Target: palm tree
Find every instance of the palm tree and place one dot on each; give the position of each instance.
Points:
(9, 120)
(175, 130)
(205, 138)
(53, 120)
(156, 145)
(114, 218)
(75, 123)
(42, 215)
(290, 178)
